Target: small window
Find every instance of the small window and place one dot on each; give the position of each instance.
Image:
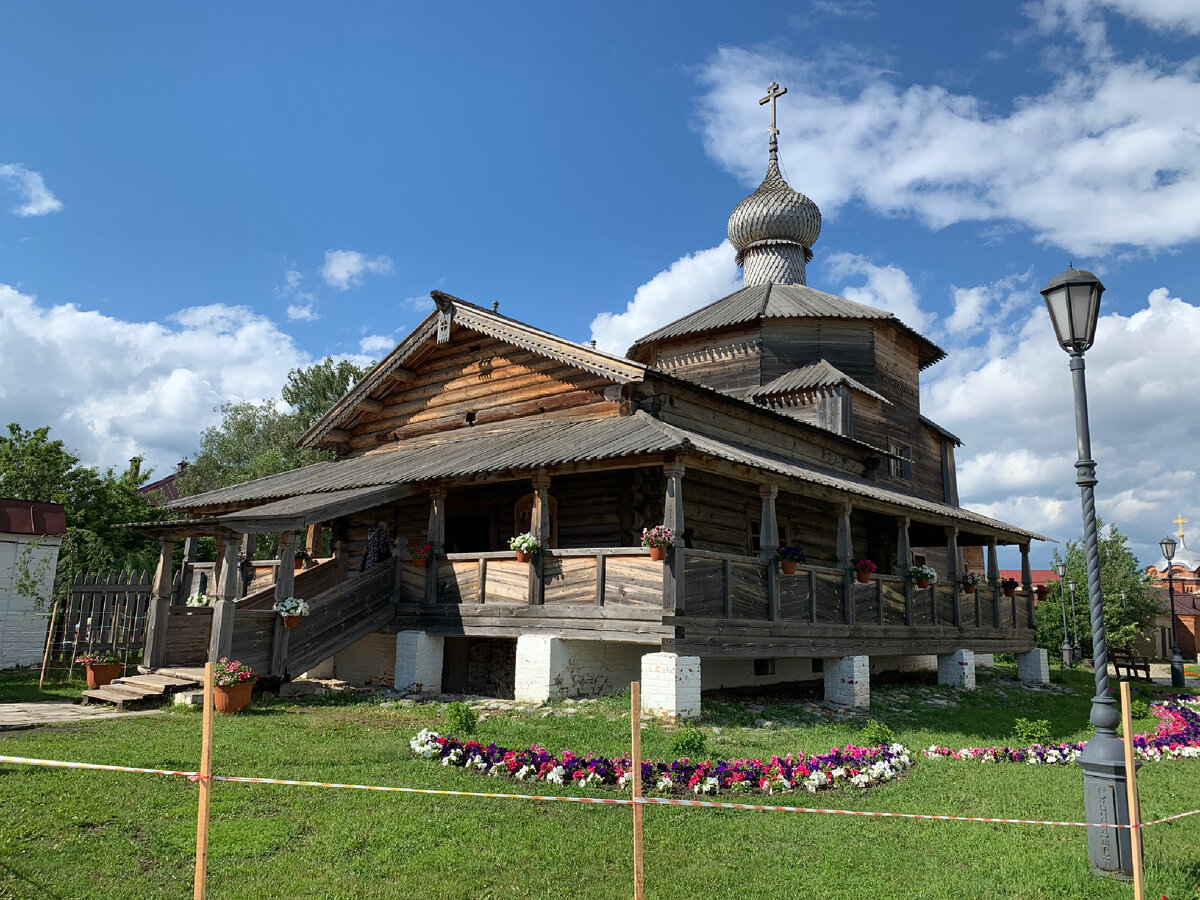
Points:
(900, 463)
(764, 667)
(755, 542)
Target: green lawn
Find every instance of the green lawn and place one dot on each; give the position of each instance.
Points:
(21, 685)
(107, 835)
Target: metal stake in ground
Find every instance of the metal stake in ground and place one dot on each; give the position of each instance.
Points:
(205, 787)
(635, 724)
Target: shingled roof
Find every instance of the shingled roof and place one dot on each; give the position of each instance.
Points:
(817, 375)
(781, 301)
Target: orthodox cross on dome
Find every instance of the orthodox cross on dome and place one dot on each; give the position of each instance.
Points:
(774, 92)
(1180, 521)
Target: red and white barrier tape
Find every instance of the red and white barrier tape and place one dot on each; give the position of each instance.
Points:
(611, 801)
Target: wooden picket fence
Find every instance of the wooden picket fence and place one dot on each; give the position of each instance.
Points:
(102, 612)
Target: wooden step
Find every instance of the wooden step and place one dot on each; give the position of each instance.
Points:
(162, 684)
(117, 696)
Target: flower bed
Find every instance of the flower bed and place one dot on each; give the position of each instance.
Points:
(855, 766)
(1178, 735)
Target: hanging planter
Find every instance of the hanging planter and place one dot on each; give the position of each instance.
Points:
(291, 621)
(524, 556)
(788, 566)
(1009, 586)
(658, 553)
(968, 582)
(525, 545)
(863, 570)
(657, 540)
(291, 609)
(789, 557)
(923, 576)
(420, 553)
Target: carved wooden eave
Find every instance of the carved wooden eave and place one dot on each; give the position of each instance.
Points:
(397, 367)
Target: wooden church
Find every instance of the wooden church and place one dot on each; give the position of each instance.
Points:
(777, 416)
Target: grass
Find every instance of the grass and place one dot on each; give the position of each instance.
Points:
(68, 834)
(21, 685)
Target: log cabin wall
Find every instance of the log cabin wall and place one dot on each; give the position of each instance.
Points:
(811, 523)
(728, 362)
(847, 344)
(475, 379)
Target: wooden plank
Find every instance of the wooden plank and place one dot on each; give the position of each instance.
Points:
(601, 562)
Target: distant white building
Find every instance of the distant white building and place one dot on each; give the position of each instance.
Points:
(30, 535)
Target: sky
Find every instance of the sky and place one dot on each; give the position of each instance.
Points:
(197, 198)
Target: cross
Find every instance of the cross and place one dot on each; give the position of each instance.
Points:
(774, 92)
(1180, 521)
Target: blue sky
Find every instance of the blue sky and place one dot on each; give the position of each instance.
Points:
(196, 198)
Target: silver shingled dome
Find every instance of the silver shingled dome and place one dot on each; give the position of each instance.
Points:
(774, 214)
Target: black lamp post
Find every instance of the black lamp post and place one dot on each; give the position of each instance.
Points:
(1073, 299)
(1167, 545)
(1062, 602)
(1076, 649)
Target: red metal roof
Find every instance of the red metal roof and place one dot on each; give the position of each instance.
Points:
(1040, 576)
(31, 517)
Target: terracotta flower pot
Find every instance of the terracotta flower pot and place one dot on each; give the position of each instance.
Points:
(862, 577)
(968, 588)
(419, 562)
(232, 698)
(1008, 592)
(658, 553)
(524, 556)
(922, 583)
(291, 621)
(102, 674)
(788, 566)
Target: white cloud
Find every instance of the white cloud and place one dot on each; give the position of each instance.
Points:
(376, 345)
(1118, 137)
(1085, 16)
(887, 287)
(35, 198)
(344, 269)
(111, 388)
(302, 312)
(688, 284)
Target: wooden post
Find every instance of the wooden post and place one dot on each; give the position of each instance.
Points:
(285, 578)
(1131, 793)
(341, 555)
(313, 540)
(908, 601)
(160, 607)
(903, 547)
(49, 639)
(1027, 584)
(635, 725)
(601, 577)
(218, 564)
(953, 569)
(436, 537)
(673, 519)
(279, 647)
(845, 558)
(246, 573)
(768, 542)
(200, 882)
(812, 597)
(994, 580)
(539, 524)
(220, 635)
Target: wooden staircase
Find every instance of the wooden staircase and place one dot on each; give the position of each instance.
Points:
(142, 690)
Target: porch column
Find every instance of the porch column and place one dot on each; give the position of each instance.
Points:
(435, 536)
(313, 540)
(994, 579)
(285, 580)
(220, 639)
(186, 574)
(539, 524)
(673, 519)
(768, 542)
(249, 546)
(160, 607)
(218, 565)
(903, 546)
(953, 563)
(1027, 583)
(341, 555)
(845, 552)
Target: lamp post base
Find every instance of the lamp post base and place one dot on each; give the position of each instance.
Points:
(1176, 669)
(1066, 656)
(1105, 800)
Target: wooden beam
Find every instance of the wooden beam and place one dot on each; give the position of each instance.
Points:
(370, 404)
(336, 436)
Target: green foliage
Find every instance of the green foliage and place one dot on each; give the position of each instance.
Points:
(254, 440)
(876, 733)
(1032, 731)
(1119, 571)
(1139, 709)
(460, 719)
(690, 742)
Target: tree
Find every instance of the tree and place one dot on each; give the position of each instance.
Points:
(34, 467)
(1119, 571)
(312, 392)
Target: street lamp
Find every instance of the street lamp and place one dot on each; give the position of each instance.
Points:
(1076, 650)
(1062, 602)
(1073, 300)
(1167, 545)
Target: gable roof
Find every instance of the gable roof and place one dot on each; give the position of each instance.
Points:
(781, 301)
(818, 374)
(483, 321)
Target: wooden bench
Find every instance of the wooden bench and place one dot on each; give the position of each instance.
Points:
(1136, 667)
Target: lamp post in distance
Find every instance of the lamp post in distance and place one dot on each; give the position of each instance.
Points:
(1076, 648)
(1167, 545)
(1062, 602)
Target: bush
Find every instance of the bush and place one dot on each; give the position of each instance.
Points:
(460, 719)
(1032, 731)
(875, 734)
(690, 743)
(1139, 709)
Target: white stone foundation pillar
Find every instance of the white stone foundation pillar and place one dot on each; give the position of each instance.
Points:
(1034, 666)
(541, 669)
(848, 681)
(985, 659)
(671, 686)
(957, 669)
(419, 662)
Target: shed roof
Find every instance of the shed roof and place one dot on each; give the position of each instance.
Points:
(783, 301)
(32, 517)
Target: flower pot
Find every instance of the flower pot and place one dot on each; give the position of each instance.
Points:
(524, 556)
(788, 566)
(862, 577)
(102, 674)
(419, 562)
(297, 564)
(233, 697)
(1008, 592)
(291, 621)
(922, 583)
(968, 588)
(659, 553)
